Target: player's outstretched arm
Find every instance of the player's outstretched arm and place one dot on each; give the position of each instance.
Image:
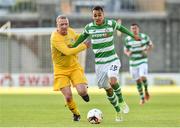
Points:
(81, 38)
(126, 31)
(149, 48)
(62, 47)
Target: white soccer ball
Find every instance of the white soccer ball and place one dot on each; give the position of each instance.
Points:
(94, 116)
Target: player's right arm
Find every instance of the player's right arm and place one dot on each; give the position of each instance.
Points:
(123, 29)
(61, 46)
(82, 37)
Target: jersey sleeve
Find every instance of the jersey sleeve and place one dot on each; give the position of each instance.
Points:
(122, 29)
(116, 25)
(76, 35)
(82, 37)
(60, 45)
(126, 46)
(145, 39)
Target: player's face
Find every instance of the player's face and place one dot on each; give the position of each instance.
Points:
(62, 26)
(135, 29)
(98, 17)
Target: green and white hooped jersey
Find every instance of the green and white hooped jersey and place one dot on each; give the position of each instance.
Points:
(102, 40)
(137, 47)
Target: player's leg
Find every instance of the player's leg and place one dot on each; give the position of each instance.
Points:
(140, 90)
(116, 87)
(103, 83)
(113, 76)
(114, 101)
(80, 83)
(102, 80)
(145, 83)
(112, 98)
(134, 71)
(82, 91)
(66, 91)
(62, 83)
(144, 73)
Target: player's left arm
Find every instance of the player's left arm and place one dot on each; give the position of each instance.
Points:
(149, 43)
(123, 29)
(126, 48)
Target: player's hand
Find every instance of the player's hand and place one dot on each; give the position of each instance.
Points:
(145, 53)
(128, 53)
(87, 43)
(137, 38)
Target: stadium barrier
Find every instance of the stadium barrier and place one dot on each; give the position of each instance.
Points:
(46, 79)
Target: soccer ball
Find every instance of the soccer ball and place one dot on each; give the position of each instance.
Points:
(94, 116)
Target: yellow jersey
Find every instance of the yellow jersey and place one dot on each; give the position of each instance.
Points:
(63, 57)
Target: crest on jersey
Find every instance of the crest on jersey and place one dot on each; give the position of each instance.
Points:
(106, 33)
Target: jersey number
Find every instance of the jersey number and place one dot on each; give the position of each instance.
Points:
(113, 67)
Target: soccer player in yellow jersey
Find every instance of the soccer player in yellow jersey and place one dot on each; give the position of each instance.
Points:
(67, 70)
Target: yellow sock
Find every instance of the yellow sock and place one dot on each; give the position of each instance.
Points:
(72, 107)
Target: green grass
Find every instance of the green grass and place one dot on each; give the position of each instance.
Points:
(48, 110)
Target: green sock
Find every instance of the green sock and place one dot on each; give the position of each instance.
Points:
(114, 101)
(145, 83)
(117, 90)
(140, 90)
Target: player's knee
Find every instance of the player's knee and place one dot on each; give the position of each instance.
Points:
(143, 78)
(113, 81)
(82, 92)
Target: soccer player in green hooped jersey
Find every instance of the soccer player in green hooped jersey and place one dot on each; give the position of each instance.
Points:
(107, 63)
(137, 53)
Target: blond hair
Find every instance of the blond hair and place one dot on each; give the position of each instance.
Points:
(61, 17)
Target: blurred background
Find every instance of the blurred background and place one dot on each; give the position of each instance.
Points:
(26, 25)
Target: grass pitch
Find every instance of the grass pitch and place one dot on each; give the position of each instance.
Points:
(23, 108)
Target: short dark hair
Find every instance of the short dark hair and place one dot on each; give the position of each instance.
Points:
(134, 24)
(97, 8)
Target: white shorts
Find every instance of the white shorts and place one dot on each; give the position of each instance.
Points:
(105, 71)
(138, 72)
